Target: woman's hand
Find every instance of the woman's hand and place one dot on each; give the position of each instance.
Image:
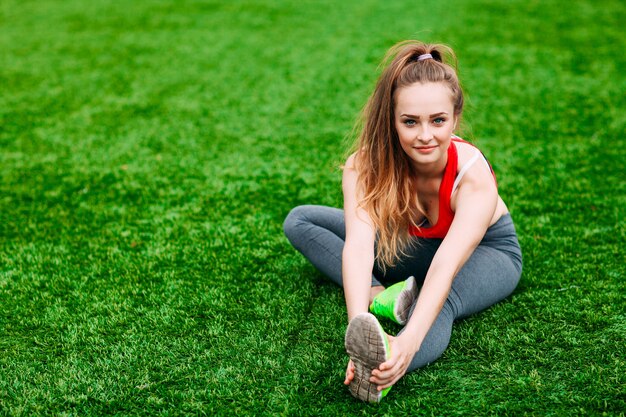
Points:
(349, 373)
(388, 373)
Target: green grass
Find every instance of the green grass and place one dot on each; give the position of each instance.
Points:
(150, 150)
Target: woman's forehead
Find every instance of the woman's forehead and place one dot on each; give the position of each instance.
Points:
(424, 98)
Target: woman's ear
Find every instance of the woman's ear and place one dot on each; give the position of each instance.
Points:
(457, 121)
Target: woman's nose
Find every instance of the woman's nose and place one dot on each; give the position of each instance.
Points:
(424, 134)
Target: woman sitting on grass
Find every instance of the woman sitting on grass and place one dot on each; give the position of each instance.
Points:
(424, 237)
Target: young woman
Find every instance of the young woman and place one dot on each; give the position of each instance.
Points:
(422, 217)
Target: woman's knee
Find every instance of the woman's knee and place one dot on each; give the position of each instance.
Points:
(295, 220)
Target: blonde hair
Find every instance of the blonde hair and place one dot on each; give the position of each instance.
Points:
(386, 177)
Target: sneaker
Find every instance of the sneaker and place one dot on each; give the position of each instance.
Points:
(368, 347)
(396, 301)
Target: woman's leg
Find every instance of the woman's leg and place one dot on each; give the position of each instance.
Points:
(489, 275)
(319, 233)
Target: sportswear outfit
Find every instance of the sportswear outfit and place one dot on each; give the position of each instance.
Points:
(489, 275)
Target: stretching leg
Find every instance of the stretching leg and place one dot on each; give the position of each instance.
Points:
(488, 276)
(319, 233)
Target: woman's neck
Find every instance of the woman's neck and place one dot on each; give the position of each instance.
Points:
(433, 170)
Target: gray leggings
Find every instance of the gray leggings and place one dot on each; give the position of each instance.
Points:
(489, 275)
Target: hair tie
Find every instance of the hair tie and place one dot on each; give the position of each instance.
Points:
(424, 56)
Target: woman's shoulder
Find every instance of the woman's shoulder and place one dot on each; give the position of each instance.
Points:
(465, 151)
(350, 162)
(349, 171)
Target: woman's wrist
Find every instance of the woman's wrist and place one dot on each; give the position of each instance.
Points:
(410, 338)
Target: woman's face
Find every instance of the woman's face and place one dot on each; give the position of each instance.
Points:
(424, 119)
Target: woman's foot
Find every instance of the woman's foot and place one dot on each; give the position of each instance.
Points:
(396, 301)
(374, 291)
(368, 347)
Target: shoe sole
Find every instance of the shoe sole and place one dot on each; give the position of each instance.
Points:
(405, 301)
(365, 344)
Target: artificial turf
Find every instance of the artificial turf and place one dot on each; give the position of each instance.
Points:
(150, 150)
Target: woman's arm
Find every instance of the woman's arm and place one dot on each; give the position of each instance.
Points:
(476, 201)
(358, 252)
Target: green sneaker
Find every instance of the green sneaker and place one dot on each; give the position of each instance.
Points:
(368, 347)
(396, 301)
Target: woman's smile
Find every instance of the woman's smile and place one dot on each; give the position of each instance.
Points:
(425, 149)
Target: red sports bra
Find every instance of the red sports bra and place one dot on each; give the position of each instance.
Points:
(446, 215)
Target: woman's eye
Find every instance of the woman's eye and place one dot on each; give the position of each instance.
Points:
(409, 122)
(439, 121)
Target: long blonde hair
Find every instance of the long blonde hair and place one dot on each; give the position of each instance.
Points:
(386, 178)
